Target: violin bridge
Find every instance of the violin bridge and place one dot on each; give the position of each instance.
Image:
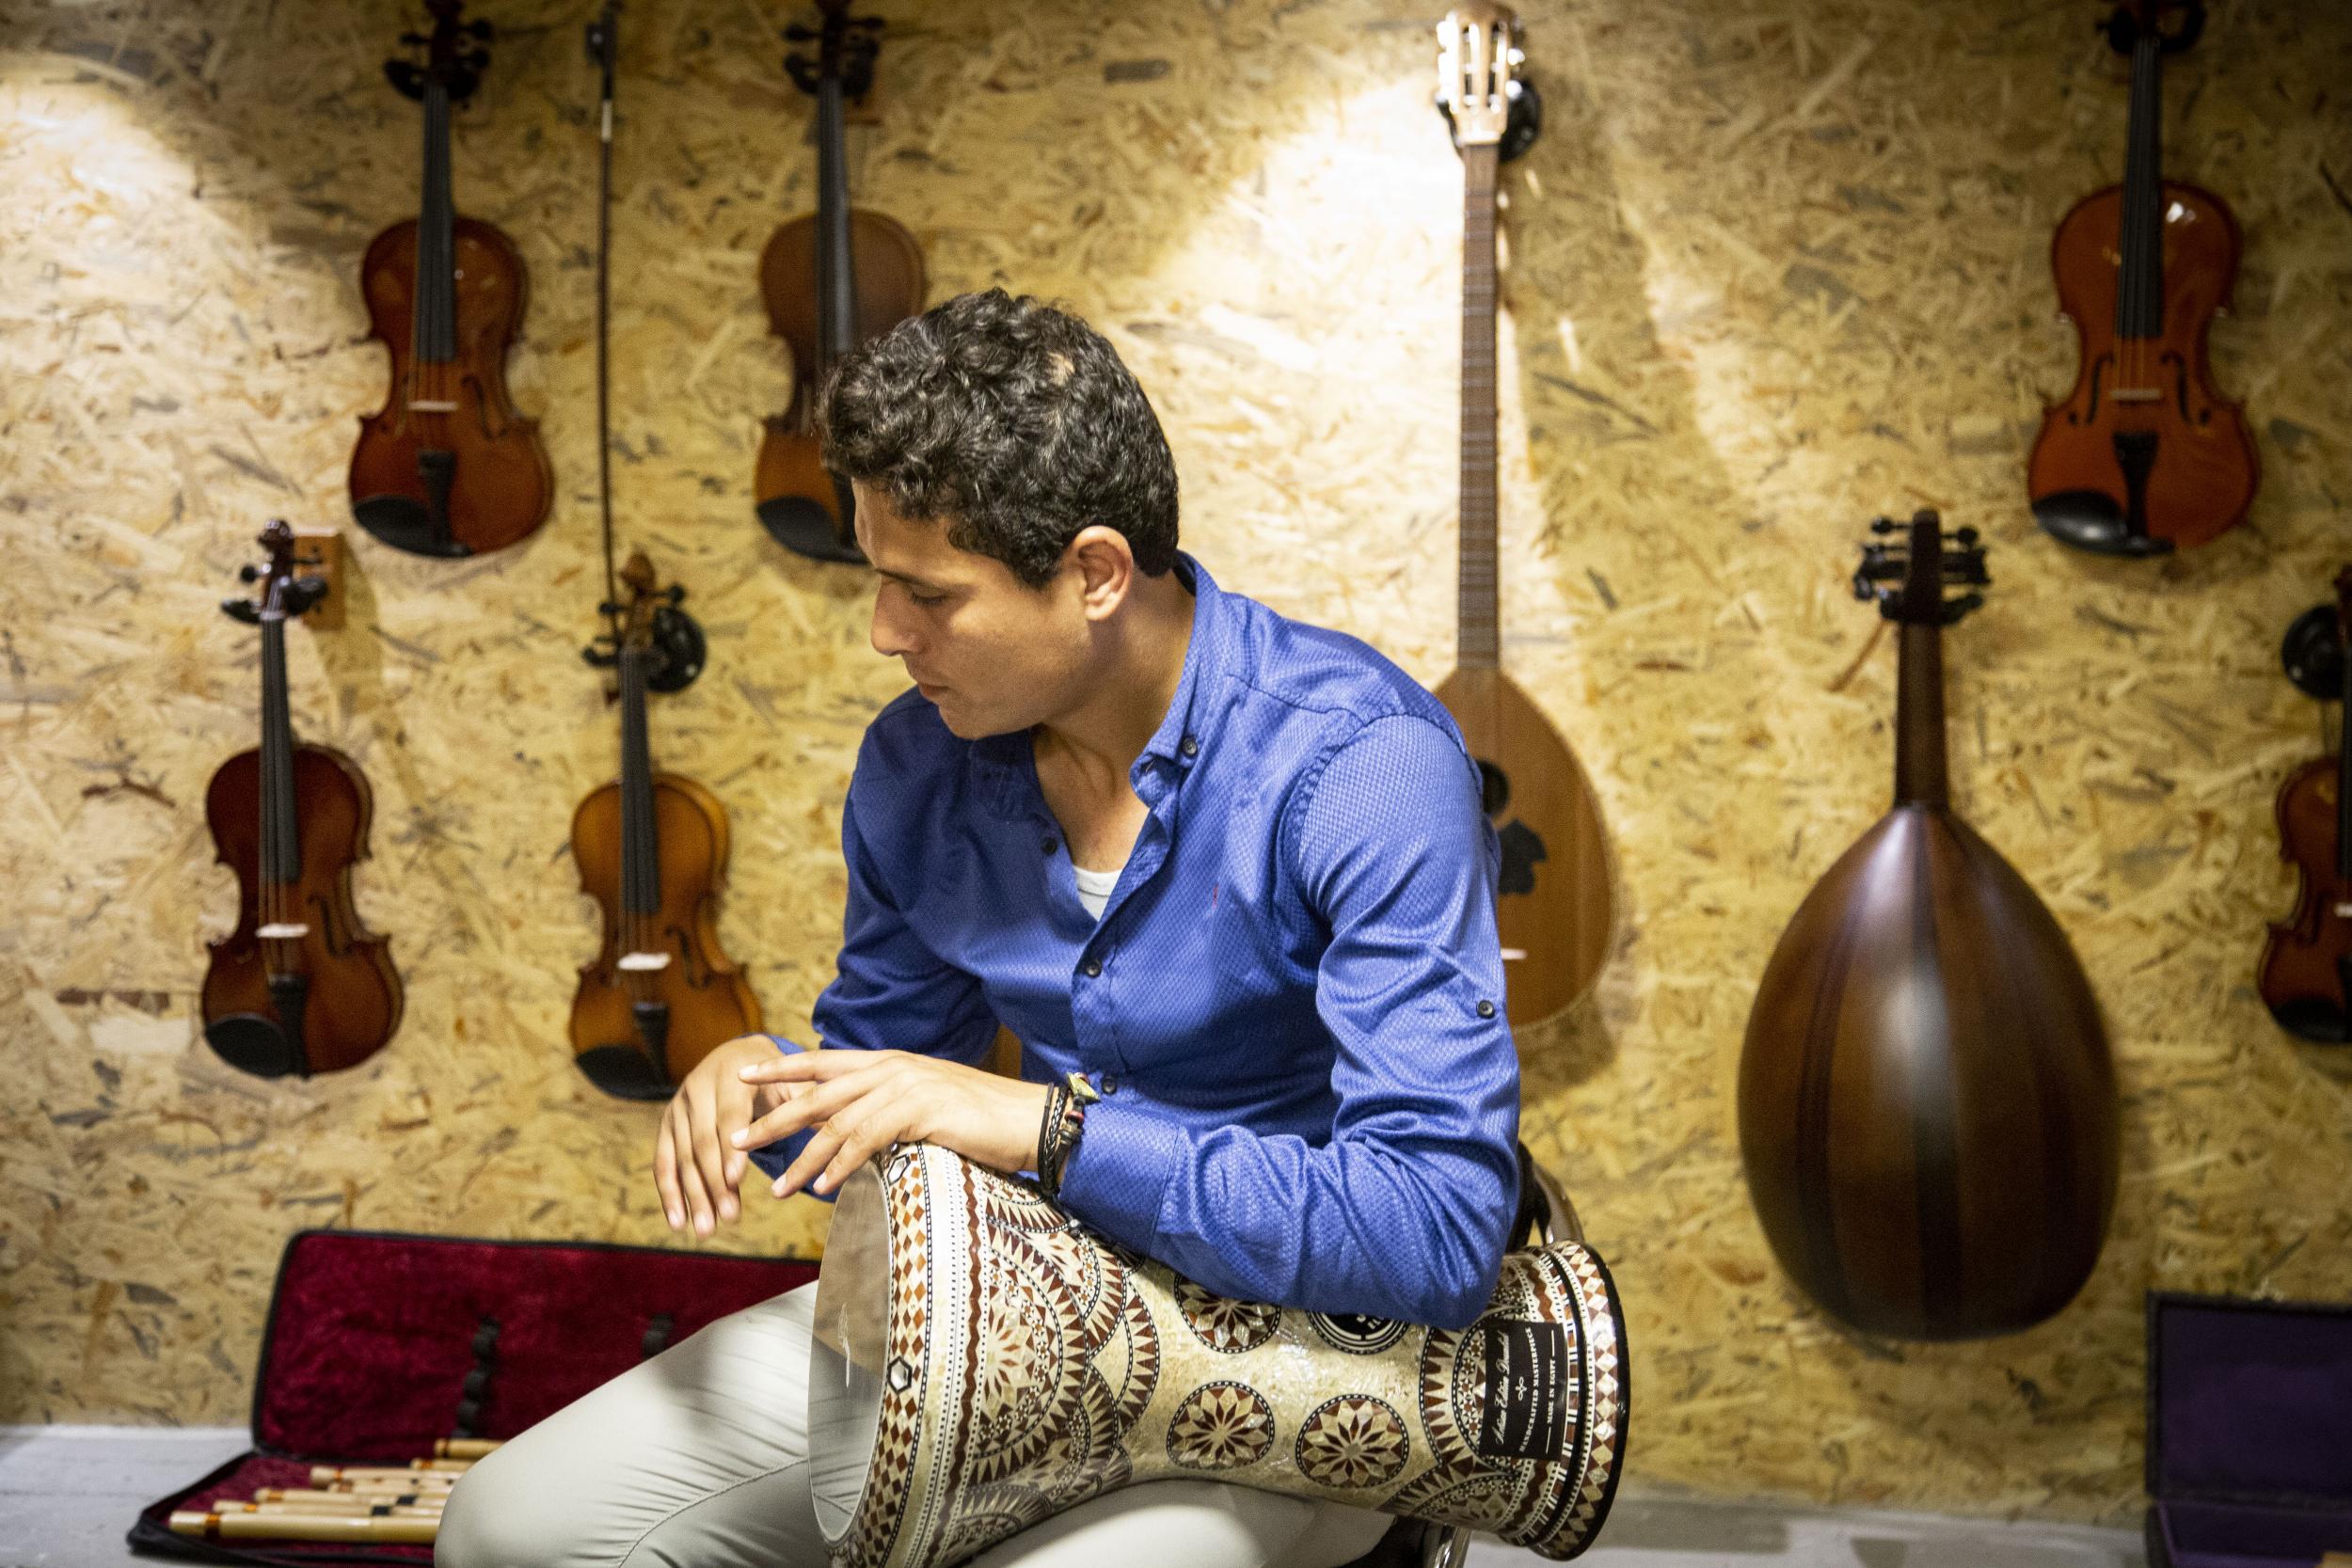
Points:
(281, 930)
(636, 963)
(2136, 394)
(444, 405)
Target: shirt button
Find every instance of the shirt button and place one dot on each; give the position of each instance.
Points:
(1093, 968)
(1485, 1009)
(1191, 748)
(1049, 846)
(1110, 1085)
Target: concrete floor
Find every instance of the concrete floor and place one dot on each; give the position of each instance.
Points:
(68, 1492)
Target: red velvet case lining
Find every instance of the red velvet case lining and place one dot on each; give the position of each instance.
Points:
(372, 1336)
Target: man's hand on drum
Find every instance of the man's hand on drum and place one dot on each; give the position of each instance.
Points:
(863, 1102)
(695, 1166)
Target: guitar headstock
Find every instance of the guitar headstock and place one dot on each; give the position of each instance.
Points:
(846, 46)
(1908, 578)
(284, 596)
(455, 54)
(1480, 91)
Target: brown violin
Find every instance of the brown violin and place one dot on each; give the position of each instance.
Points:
(299, 987)
(652, 850)
(1553, 903)
(445, 467)
(2144, 455)
(830, 279)
(1927, 1104)
(2306, 971)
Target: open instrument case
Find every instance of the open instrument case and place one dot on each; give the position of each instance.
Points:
(2249, 1432)
(380, 1342)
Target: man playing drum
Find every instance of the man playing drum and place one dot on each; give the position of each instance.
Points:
(1225, 875)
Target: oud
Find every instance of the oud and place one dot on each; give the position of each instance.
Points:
(1553, 903)
(1926, 1107)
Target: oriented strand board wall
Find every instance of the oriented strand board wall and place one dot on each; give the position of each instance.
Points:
(1775, 268)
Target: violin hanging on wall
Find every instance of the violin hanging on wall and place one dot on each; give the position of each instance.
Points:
(2144, 455)
(1553, 900)
(832, 279)
(1927, 1105)
(2306, 971)
(445, 467)
(652, 850)
(299, 987)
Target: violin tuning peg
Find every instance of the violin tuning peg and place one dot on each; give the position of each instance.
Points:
(250, 573)
(799, 34)
(414, 41)
(1883, 524)
(480, 27)
(1968, 538)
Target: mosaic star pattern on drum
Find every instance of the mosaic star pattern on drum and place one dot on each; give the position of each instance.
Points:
(1221, 1426)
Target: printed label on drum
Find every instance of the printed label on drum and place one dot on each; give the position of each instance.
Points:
(1527, 1390)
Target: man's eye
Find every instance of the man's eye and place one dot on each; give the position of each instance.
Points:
(926, 598)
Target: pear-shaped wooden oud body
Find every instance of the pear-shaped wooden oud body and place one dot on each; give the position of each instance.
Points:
(1927, 1105)
(1553, 906)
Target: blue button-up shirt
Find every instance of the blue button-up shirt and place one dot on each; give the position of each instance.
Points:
(1292, 1002)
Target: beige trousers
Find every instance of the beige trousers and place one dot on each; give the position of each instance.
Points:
(698, 1459)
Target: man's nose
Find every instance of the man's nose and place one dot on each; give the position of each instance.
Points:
(889, 639)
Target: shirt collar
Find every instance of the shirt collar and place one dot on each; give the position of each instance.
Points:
(1006, 760)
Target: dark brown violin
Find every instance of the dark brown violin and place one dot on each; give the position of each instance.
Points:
(1926, 1106)
(299, 987)
(447, 467)
(2144, 455)
(832, 279)
(2307, 962)
(652, 850)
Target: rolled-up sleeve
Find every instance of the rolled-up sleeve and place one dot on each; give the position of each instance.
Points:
(1403, 1214)
(890, 991)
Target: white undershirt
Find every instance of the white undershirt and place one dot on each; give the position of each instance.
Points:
(1094, 887)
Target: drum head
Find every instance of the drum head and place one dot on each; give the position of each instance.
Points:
(845, 1351)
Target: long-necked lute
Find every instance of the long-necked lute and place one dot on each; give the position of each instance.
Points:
(1926, 1106)
(1554, 902)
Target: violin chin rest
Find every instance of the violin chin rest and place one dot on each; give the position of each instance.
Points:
(2093, 520)
(625, 1072)
(252, 1042)
(2310, 1018)
(805, 527)
(405, 524)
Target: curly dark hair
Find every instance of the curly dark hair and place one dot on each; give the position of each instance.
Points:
(1012, 420)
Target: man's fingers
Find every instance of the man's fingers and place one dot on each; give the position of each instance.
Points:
(813, 1104)
(690, 1180)
(814, 1066)
(710, 1157)
(665, 1173)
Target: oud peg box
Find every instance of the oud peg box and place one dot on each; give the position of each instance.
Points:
(319, 553)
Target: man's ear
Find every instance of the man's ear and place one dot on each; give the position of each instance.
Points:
(1106, 568)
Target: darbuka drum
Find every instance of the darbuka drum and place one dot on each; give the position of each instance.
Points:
(982, 1361)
